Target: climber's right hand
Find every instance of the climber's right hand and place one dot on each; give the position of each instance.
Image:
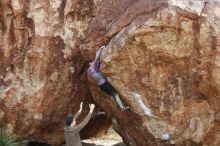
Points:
(98, 53)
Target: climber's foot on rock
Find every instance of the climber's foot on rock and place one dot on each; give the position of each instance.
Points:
(124, 108)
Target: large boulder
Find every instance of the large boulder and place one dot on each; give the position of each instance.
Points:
(163, 57)
(42, 74)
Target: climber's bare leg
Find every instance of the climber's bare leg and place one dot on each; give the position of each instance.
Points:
(119, 102)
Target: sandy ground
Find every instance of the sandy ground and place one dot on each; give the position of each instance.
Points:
(111, 138)
(118, 144)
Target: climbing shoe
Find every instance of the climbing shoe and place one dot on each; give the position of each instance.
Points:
(124, 108)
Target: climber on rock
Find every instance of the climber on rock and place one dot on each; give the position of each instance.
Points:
(72, 130)
(95, 73)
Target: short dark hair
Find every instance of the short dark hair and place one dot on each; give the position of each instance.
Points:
(69, 120)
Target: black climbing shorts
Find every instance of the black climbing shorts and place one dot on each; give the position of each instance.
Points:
(108, 88)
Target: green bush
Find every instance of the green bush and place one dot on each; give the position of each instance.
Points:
(7, 140)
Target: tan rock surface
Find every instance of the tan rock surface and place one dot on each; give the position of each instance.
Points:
(41, 71)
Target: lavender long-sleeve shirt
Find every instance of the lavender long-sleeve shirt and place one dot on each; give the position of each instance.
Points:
(94, 70)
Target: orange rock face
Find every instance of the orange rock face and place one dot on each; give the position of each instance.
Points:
(162, 56)
(41, 70)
